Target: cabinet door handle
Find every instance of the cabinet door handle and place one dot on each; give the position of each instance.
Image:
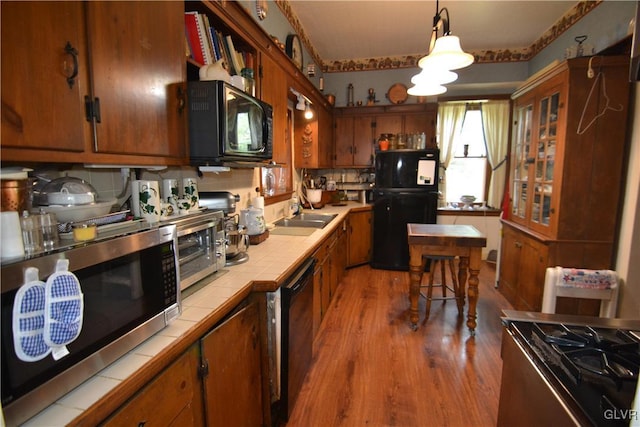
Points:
(181, 99)
(518, 245)
(74, 72)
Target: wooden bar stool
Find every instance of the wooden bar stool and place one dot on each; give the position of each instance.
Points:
(458, 293)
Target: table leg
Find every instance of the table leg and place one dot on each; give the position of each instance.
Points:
(474, 270)
(416, 267)
(463, 266)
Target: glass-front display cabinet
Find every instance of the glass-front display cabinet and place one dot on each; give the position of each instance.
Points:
(533, 155)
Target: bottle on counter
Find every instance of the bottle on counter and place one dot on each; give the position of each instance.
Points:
(294, 206)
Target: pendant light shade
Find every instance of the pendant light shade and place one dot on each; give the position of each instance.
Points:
(426, 89)
(432, 74)
(447, 53)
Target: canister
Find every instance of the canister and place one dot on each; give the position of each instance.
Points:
(14, 195)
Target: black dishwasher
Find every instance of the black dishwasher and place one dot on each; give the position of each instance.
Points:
(297, 335)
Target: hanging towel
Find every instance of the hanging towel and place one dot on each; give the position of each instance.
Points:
(28, 319)
(63, 309)
(583, 278)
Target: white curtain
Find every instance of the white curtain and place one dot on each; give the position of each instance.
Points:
(450, 120)
(495, 123)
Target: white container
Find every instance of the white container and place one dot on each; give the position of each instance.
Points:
(148, 200)
(64, 197)
(11, 245)
(190, 192)
(314, 195)
(170, 190)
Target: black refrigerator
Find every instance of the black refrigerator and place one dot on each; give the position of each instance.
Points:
(406, 191)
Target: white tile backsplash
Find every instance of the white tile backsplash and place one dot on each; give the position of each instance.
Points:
(112, 182)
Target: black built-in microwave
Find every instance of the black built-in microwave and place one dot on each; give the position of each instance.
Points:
(227, 125)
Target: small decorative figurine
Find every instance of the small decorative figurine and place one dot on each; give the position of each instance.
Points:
(371, 99)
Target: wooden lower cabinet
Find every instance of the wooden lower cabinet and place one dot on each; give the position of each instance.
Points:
(359, 237)
(524, 258)
(330, 266)
(231, 357)
(320, 299)
(522, 268)
(173, 398)
(218, 381)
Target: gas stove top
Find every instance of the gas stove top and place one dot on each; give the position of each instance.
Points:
(593, 364)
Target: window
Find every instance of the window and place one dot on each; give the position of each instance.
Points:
(467, 170)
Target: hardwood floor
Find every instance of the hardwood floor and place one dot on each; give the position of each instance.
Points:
(371, 369)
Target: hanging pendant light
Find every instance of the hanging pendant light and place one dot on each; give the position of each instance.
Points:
(434, 74)
(426, 89)
(430, 81)
(447, 53)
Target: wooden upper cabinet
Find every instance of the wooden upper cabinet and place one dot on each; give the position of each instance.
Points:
(363, 140)
(274, 91)
(137, 52)
(357, 129)
(344, 141)
(354, 139)
(388, 123)
(43, 46)
(313, 139)
(121, 61)
(325, 137)
(566, 140)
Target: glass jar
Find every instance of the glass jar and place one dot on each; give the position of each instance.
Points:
(383, 143)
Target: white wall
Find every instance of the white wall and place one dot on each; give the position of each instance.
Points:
(488, 225)
(628, 259)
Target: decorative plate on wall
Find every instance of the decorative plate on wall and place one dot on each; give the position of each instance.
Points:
(294, 49)
(397, 93)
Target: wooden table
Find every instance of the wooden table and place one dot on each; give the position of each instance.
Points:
(464, 241)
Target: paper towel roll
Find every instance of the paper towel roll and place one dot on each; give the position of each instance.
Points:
(258, 202)
(11, 235)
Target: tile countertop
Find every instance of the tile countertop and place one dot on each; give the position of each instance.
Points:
(270, 264)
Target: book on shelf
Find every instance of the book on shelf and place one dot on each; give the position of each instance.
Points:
(224, 48)
(191, 29)
(210, 31)
(235, 57)
(206, 47)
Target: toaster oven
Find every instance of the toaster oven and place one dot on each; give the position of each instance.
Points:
(201, 245)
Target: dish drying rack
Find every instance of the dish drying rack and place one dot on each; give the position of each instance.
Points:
(112, 218)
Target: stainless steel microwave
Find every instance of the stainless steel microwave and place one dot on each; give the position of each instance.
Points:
(127, 289)
(227, 125)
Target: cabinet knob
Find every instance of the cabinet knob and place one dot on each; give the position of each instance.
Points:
(518, 245)
(180, 95)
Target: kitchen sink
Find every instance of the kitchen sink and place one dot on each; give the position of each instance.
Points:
(306, 220)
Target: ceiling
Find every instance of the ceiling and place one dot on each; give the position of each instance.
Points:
(355, 29)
